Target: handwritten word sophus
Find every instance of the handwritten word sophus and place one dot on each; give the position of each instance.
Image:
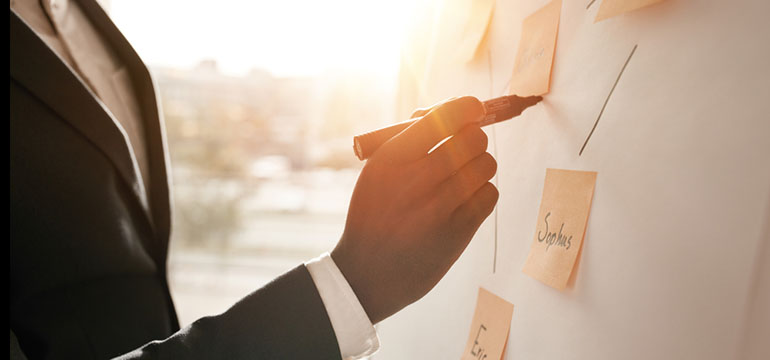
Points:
(553, 238)
(477, 351)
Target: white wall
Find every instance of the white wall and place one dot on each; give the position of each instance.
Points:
(675, 257)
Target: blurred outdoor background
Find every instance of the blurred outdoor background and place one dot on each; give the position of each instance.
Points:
(261, 100)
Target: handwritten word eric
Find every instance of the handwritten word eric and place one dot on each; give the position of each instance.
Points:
(553, 238)
(477, 351)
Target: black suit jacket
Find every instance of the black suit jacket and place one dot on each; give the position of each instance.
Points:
(88, 249)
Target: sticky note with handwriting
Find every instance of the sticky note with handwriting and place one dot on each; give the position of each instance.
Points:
(478, 21)
(489, 328)
(610, 8)
(534, 59)
(561, 224)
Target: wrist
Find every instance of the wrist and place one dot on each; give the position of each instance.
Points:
(355, 333)
(359, 277)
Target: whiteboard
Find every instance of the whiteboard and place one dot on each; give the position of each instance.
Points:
(676, 258)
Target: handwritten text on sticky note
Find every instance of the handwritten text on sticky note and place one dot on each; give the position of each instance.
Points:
(610, 8)
(534, 59)
(561, 224)
(489, 328)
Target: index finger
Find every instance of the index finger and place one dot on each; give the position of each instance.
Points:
(422, 111)
(439, 123)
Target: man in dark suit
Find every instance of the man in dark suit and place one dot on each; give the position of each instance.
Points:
(90, 213)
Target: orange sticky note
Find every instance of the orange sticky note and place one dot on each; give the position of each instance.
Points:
(534, 60)
(561, 225)
(489, 328)
(479, 15)
(610, 8)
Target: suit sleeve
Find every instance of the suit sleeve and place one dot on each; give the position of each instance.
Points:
(285, 319)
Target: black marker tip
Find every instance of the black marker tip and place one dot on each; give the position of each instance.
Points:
(533, 99)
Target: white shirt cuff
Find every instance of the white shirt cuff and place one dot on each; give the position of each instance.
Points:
(355, 333)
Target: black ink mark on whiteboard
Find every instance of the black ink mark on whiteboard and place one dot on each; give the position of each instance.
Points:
(494, 259)
(494, 141)
(607, 100)
(589, 4)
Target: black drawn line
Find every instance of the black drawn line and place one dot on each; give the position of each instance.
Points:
(494, 259)
(589, 4)
(494, 148)
(607, 100)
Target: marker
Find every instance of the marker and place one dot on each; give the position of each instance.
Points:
(496, 110)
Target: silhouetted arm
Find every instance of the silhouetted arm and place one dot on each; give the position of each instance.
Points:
(285, 319)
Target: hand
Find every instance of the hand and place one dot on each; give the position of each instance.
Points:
(413, 212)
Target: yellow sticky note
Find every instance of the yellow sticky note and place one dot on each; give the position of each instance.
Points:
(610, 8)
(489, 328)
(534, 60)
(478, 20)
(561, 225)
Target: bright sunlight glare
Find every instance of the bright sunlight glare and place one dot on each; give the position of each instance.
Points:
(287, 38)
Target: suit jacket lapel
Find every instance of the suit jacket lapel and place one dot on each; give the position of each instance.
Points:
(160, 196)
(36, 67)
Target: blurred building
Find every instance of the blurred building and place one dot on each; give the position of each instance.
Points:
(262, 171)
(241, 118)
